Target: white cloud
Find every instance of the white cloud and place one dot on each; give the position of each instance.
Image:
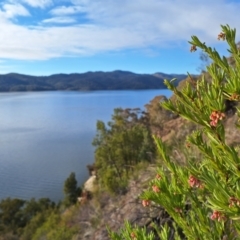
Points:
(118, 25)
(170, 20)
(45, 43)
(62, 10)
(38, 3)
(59, 20)
(12, 10)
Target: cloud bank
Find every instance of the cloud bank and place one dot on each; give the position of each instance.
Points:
(88, 27)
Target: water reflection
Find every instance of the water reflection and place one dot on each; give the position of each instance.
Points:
(44, 136)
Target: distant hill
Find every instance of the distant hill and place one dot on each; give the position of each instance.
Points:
(89, 81)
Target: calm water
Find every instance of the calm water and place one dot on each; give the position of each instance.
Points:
(44, 136)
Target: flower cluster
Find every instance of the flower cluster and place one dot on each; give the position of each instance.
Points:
(234, 97)
(193, 48)
(146, 203)
(234, 201)
(216, 215)
(188, 145)
(155, 189)
(194, 182)
(133, 235)
(178, 210)
(158, 177)
(215, 117)
(222, 36)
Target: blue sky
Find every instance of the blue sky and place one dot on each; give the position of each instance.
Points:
(43, 37)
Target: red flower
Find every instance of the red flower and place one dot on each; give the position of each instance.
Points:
(133, 235)
(213, 123)
(215, 117)
(194, 182)
(155, 189)
(158, 177)
(233, 202)
(216, 215)
(193, 48)
(222, 36)
(145, 203)
(178, 210)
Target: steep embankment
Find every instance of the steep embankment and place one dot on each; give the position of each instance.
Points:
(103, 209)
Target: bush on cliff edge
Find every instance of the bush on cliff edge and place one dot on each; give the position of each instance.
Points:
(203, 197)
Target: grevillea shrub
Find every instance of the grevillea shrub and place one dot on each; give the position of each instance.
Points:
(202, 197)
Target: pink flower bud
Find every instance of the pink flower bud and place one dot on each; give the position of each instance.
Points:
(216, 215)
(155, 189)
(194, 182)
(215, 117)
(133, 235)
(193, 48)
(158, 177)
(145, 203)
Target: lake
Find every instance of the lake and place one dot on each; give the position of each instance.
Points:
(44, 136)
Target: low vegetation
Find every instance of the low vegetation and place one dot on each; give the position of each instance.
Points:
(201, 196)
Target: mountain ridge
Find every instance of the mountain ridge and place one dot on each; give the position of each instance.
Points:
(88, 81)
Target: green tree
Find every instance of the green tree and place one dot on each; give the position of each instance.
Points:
(120, 146)
(34, 224)
(33, 206)
(202, 197)
(12, 218)
(54, 228)
(71, 190)
(17, 214)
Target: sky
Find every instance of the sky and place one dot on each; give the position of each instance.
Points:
(44, 37)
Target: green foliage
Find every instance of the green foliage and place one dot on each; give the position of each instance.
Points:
(36, 222)
(34, 219)
(71, 190)
(11, 215)
(54, 228)
(33, 207)
(125, 142)
(203, 197)
(19, 217)
(130, 233)
(49, 224)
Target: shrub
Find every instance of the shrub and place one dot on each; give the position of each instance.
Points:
(121, 145)
(202, 197)
(54, 228)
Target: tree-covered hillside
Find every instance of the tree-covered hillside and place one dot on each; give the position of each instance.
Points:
(116, 80)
